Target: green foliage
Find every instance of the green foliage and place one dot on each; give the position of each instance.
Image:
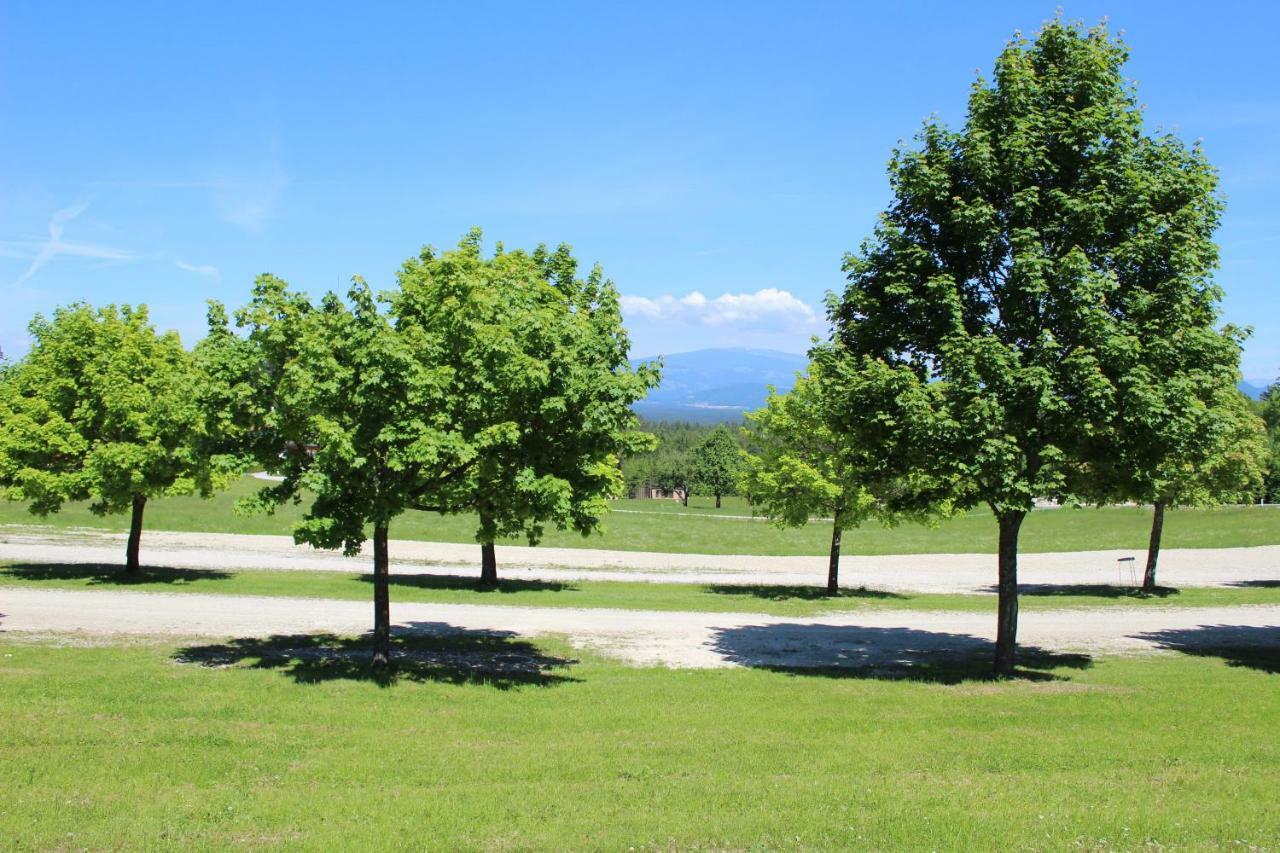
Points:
(802, 467)
(1268, 409)
(498, 385)
(667, 465)
(537, 356)
(716, 463)
(102, 409)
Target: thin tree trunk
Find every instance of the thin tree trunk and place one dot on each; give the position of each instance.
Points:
(684, 496)
(381, 599)
(131, 562)
(1007, 618)
(1153, 548)
(488, 557)
(833, 563)
(717, 500)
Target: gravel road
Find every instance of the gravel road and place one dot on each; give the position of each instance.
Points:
(885, 639)
(921, 573)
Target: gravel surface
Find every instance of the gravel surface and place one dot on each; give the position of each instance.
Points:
(920, 573)
(888, 639)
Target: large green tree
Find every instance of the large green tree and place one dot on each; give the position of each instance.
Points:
(103, 409)
(981, 316)
(539, 354)
(804, 465)
(716, 463)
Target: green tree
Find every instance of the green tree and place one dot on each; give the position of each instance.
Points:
(1268, 408)
(716, 463)
(349, 408)
(538, 354)
(980, 317)
(804, 466)
(103, 409)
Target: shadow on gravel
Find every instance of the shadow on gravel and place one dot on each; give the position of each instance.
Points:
(472, 584)
(1089, 590)
(802, 593)
(1256, 584)
(421, 652)
(99, 573)
(839, 651)
(1249, 646)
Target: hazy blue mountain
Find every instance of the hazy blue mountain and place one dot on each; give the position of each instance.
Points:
(1252, 390)
(718, 384)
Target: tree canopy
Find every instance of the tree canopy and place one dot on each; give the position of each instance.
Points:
(103, 409)
(490, 384)
(981, 318)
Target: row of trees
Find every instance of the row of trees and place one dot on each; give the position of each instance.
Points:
(688, 458)
(1034, 316)
(495, 385)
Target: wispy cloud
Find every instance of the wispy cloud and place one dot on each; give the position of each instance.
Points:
(206, 270)
(56, 246)
(250, 203)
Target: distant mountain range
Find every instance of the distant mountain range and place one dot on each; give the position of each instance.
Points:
(711, 385)
(1252, 390)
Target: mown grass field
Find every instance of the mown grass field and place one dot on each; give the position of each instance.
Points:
(449, 589)
(125, 747)
(666, 526)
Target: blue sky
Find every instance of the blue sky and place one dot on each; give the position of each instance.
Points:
(717, 158)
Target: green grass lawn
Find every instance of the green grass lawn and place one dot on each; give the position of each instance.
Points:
(626, 595)
(248, 746)
(667, 526)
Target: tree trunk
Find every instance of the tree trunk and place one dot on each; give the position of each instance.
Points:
(1153, 549)
(684, 496)
(1007, 618)
(717, 500)
(833, 563)
(131, 561)
(488, 558)
(488, 565)
(381, 599)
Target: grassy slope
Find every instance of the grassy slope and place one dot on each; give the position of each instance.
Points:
(776, 600)
(121, 747)
(666, 526)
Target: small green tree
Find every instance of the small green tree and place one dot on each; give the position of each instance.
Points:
(981, 318)
(103, 409)
(802, 468)
(539, 355)
(716, 464)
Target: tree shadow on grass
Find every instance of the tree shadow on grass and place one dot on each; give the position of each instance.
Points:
(472, 584)
(420, 652)
(1268, 584)
(115, 575)
(852, 651)
(1255, 647)
(1090, 590)
(801, 593)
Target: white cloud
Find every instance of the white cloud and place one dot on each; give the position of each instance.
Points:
(769, 306)
(55, 245)
(769, 318)
(206, 270)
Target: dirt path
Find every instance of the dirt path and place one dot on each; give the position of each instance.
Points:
(920, 573)
(884, 639)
